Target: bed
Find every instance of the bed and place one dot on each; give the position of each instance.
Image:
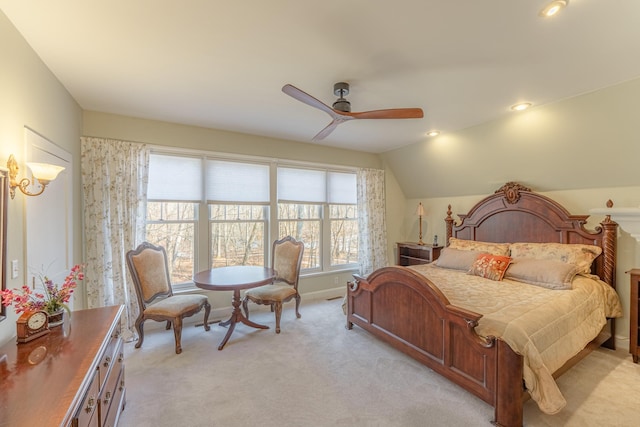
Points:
(405, 308)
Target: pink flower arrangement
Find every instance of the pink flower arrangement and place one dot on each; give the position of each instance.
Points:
(53, 298)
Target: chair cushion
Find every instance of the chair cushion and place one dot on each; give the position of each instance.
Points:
(176, 305)
(152, 273)
(274, 292)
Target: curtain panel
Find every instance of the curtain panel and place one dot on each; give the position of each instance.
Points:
(114, 184)
(372, 226)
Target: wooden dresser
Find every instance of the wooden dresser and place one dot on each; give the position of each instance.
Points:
(74, 376)
(634, 319)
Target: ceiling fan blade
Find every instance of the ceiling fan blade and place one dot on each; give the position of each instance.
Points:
(327, 130)
(301, 96)
(396, 113)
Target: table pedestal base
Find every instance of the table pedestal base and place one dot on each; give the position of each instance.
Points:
(237, 316)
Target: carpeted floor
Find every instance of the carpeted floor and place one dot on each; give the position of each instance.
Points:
(318, 373)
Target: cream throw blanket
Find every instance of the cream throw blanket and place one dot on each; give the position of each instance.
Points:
(547, 327)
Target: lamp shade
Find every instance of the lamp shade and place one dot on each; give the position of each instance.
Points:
(420, 210)
(44, 172)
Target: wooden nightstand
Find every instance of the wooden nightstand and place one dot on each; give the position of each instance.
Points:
(634, 307)
(413, 253)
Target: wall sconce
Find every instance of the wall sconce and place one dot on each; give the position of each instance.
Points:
(553, 8)
(43, 172)
(420, 213)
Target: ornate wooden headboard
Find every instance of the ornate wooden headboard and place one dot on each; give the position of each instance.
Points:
(516, 214)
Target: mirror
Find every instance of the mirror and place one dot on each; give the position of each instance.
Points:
(4, 189)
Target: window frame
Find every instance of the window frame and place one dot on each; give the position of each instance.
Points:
(202, 242)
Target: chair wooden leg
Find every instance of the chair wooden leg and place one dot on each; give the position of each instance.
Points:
(245, 307)
(278, 310)
(140, 328)
(207, 310)
(177, 332)
(168, 325)
(298, 306)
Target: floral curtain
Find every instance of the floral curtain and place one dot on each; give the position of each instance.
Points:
(114, 184)
(372, 226)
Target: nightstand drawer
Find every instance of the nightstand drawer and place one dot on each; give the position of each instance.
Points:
(413, 253)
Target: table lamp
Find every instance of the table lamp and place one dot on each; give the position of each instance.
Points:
(420, 213)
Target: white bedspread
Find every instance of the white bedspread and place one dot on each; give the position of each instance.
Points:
(547, 327)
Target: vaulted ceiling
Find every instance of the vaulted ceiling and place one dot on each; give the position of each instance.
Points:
(222, 64)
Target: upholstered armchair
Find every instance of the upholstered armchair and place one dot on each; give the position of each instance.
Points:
(285, 259)
(150, 273)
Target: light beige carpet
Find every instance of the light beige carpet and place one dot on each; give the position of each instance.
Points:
(318, 373)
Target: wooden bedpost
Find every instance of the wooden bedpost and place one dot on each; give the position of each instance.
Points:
(609, 239)
(509, 387)
(609, 248)
(449, 222)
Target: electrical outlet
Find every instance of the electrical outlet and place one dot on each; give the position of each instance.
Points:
(14, 269)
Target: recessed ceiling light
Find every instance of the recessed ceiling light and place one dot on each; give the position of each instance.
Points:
(521, 106)
(553, 8)
(433, 133)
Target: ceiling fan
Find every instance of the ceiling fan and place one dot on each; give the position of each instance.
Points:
(341, 111)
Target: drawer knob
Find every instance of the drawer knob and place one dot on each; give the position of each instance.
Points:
(107, 360)
(107, 398)
(91, 403)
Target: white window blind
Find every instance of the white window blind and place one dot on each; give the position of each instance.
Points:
(174, 178)
(316, 186)
(342, 188)
(237, 182)
(302, 185)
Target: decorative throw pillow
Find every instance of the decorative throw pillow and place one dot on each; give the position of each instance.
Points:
(580, 255)
(547, 273)
(472, 245)
(490, 266)
(456, 259)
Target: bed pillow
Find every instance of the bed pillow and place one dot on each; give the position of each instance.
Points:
(490, 266)
(472, 245)
(547, 273)
(580, 255)
(456, 259)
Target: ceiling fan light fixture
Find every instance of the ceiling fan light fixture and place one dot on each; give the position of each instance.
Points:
(553, 8)
(521, 106)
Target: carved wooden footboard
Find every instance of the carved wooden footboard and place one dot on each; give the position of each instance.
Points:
(407, 311)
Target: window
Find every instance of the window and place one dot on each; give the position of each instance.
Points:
(303, 222)
(173, 197)
(344, 234)
(238, 194)
(238, 234)
(311, 201)
(211, 212)
(172, 225)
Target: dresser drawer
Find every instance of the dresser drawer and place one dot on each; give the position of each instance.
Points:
(110, 356)
(109, 389)
(88, 415)
(117, 402)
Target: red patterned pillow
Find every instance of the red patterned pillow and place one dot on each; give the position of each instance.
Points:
(490, 266)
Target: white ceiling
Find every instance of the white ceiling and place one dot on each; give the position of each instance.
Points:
(222, 64)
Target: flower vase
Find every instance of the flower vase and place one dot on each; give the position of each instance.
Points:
(56, 318)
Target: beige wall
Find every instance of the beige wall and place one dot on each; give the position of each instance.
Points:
(31, 96)
(175, 135)
(590, 141)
